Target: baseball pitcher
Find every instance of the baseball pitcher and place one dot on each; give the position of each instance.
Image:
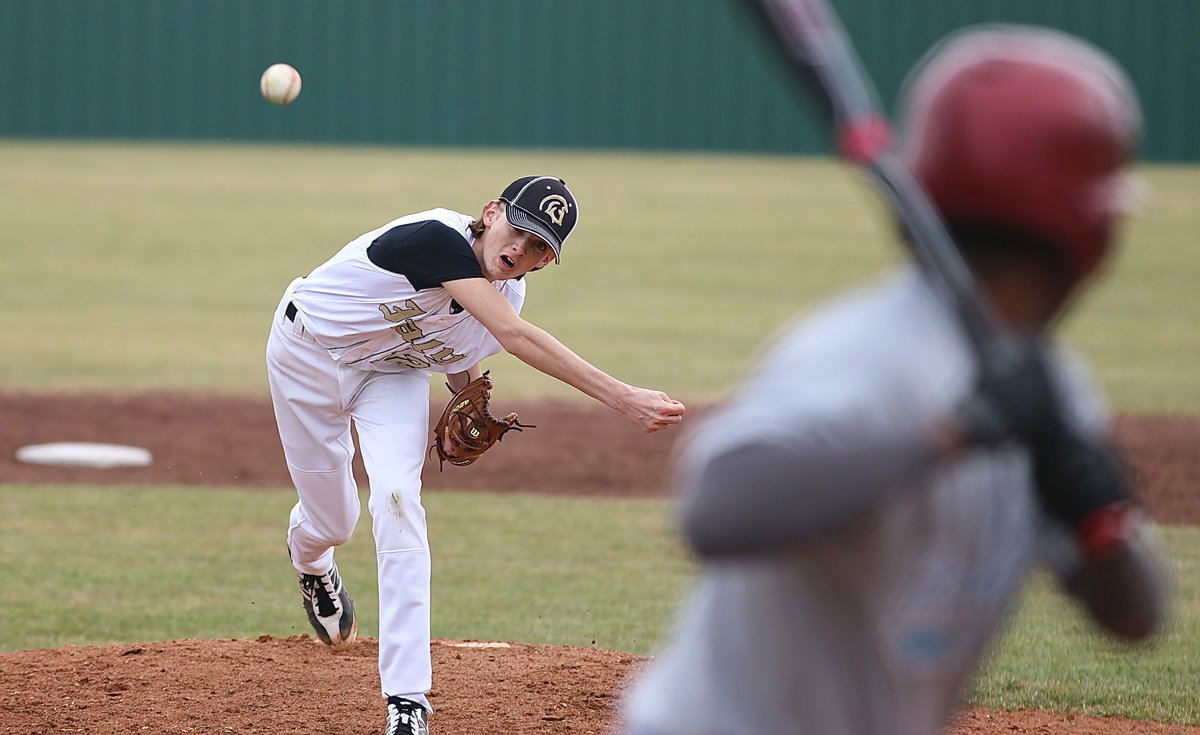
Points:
(355, 342)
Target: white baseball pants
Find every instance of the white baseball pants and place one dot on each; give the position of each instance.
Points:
(315, 400)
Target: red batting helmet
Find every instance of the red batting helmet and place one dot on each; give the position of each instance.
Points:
(1028, 130)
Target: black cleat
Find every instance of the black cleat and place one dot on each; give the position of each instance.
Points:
(329, 608)
(406, 717)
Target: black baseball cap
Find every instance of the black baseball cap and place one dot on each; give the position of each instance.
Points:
(544, 206)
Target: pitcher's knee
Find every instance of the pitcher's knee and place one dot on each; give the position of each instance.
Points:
(400, 532)
(338, 539)
(322, 533)
(336, 535)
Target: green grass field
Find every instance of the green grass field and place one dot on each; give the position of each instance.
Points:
(147, 266)
(140, 266)
(107, 565)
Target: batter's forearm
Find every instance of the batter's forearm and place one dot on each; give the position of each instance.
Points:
(767, 495)
(1125, 590)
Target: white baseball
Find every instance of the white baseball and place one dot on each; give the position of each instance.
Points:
(280, 84)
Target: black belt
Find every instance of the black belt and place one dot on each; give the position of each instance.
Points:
(290, 312)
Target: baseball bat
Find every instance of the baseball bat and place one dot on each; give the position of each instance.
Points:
(811, 36)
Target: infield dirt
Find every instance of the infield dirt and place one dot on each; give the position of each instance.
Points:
(295, 685)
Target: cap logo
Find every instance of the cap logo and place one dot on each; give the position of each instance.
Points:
(556, 207)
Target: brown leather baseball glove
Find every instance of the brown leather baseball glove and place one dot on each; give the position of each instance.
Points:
(467, 428)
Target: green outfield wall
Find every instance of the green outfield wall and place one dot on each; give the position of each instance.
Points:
(631, 74)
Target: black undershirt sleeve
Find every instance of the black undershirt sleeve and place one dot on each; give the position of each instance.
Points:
(427, 253)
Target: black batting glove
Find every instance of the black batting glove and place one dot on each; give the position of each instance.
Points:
(1083, 484)
(1078, 482)
(1013, 398)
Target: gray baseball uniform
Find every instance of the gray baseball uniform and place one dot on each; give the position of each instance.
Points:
(876, 628)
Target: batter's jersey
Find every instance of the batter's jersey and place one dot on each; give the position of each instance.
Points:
(874, 629)
(379, 304)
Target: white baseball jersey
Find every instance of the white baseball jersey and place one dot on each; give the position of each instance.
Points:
(874, 628)
(378, 303)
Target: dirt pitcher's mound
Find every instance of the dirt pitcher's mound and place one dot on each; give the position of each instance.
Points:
(296, 685)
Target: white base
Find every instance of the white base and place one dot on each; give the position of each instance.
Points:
(84, 454)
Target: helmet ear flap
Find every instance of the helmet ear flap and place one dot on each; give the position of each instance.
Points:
(1024, 128)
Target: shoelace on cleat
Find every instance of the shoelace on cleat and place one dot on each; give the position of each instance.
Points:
(322, 591)
(406, 720)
